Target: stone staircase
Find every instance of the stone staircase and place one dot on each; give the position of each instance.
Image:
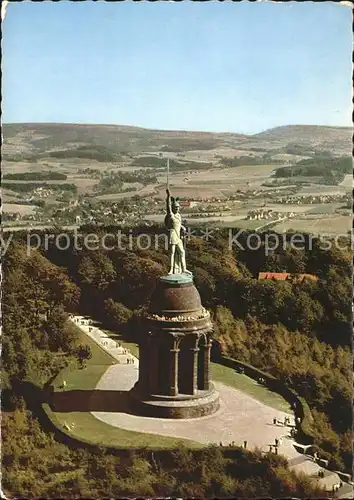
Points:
(120, 353)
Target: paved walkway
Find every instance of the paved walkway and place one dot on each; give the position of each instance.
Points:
(121, 354)
(240, 418)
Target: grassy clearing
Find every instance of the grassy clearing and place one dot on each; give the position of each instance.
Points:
(84, 379)
(84, 426)
(241, 382)
(21, 209)
(330, 225)
(88, 428)
(240, 224)
(88, 377)
(324, 208)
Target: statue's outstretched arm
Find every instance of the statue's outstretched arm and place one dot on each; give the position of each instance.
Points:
(168, 202)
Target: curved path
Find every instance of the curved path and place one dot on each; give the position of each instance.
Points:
(240, 418)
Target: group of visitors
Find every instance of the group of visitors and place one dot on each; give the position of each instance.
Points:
(80, 321)
(285, 422)
(276, 445)
(336, 487)
(232, 444)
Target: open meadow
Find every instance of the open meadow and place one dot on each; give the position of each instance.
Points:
(16, 208)
(317, 225)
(216, 182)
(347, 182)
(319, 189)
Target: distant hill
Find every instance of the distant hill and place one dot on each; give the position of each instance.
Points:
(33, 139)
(302, 132)
(305, 138)
(40, 137)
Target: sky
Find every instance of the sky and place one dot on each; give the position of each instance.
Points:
(213, 66)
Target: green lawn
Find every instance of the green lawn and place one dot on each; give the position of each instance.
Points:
(86, 426)
(231, 377)
(324, 208)
(89, 428)
(88, 377)
(84, 379)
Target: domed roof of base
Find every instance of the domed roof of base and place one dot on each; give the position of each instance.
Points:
(175, 294)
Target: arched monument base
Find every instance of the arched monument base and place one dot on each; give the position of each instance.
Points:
(182, 406)
(174, 361)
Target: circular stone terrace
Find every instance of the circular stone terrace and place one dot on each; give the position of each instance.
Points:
(240, 417)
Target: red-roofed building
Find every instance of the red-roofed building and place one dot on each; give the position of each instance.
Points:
(188, 203)
(286, 276)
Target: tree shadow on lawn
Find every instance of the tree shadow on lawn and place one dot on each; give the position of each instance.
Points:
(91, 400)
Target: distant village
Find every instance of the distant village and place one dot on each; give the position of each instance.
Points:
(48, 207)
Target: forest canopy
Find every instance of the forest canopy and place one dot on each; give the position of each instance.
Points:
(300, 332)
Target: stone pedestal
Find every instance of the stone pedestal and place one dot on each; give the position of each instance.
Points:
(174, 376)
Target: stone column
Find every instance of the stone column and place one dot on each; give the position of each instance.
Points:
(143, 369)
(194, 367)
(206, 363)
(153, 366)
(173, 388)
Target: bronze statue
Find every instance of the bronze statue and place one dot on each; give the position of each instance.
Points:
(173, 222)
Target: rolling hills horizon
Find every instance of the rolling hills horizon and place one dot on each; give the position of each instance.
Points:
(39, 137)
(278, 128)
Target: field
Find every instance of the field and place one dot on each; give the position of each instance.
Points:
(318, 189)
(212, 183)
(216, 182)
(143, 191)
(324, 208)
(8, 195)
(21, 209)
(317, 225)
(83, 183)
(211, 155)
(235, 175)
(108, 148)
(347, 182)
(247, 225)
(310, 208)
